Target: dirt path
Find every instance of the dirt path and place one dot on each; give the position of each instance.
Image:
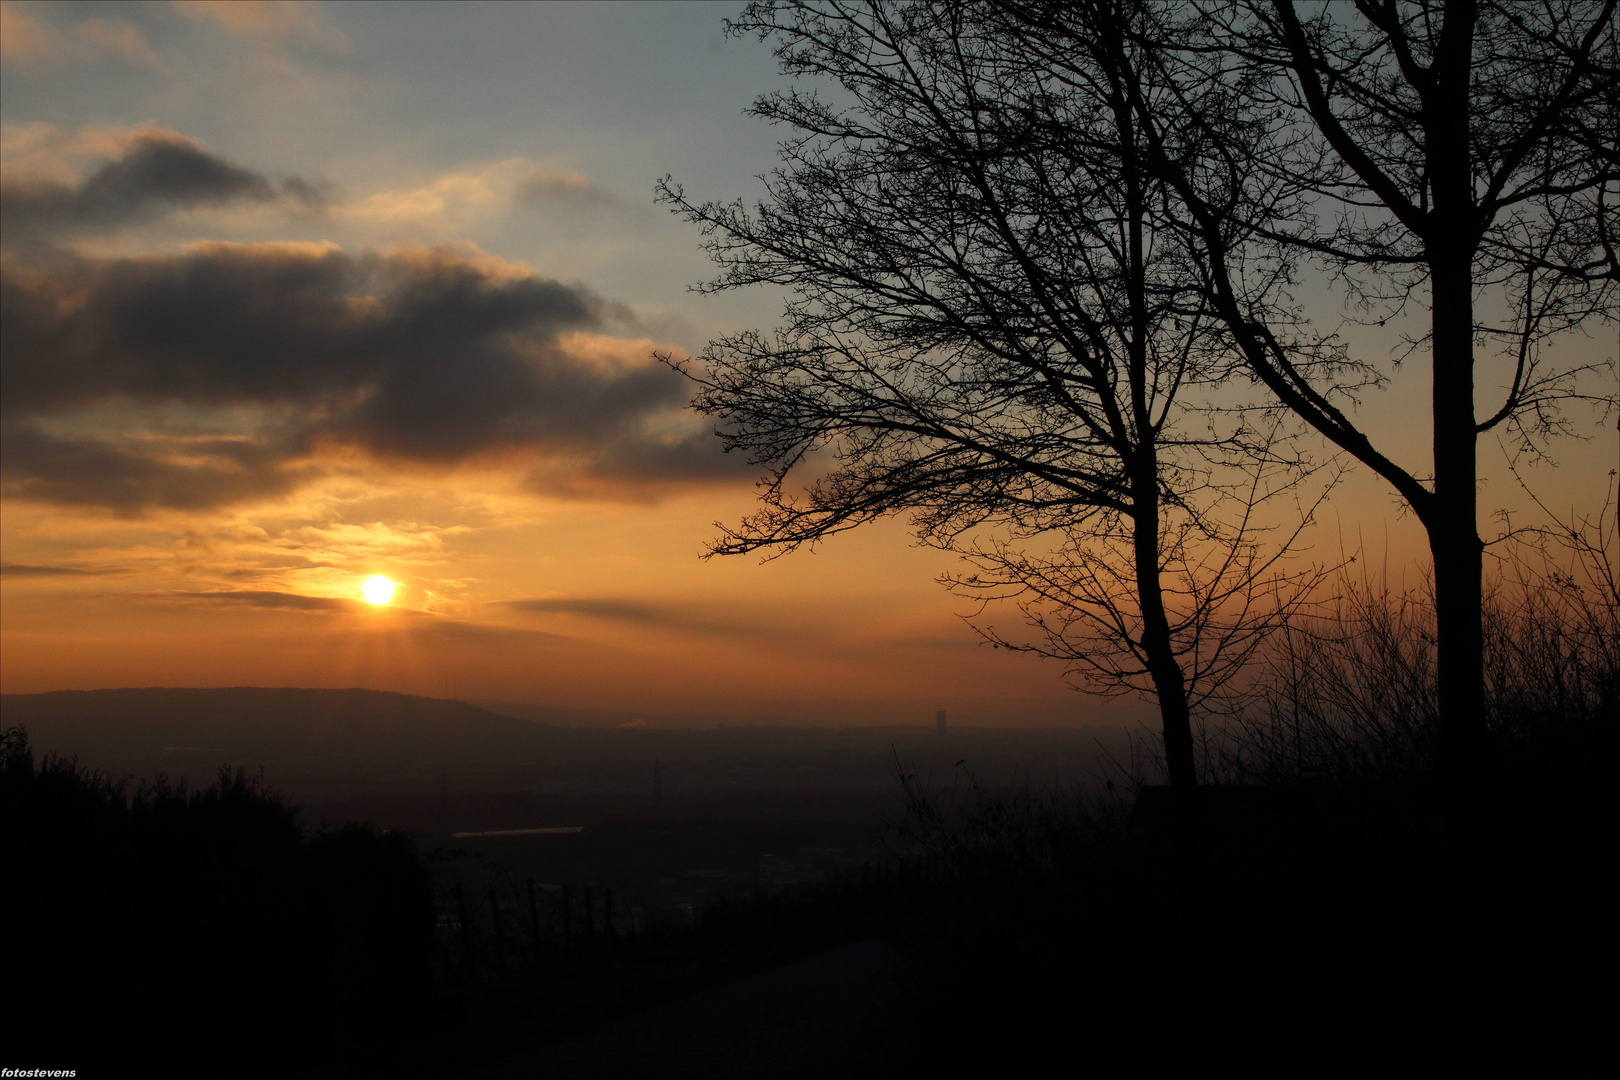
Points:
(832, 1014)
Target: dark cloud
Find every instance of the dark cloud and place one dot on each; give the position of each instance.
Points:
(544, 188)
(456, 630)
(158, 173)
(425, 356)
(266, 599)
(128, 474)
(599, 608)
(419, 624)
(276, 566)
(686, 617)
(24, 570)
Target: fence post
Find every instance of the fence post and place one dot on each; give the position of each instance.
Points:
(466, 933)
(534, 921)
(500, 938)
(568, 919)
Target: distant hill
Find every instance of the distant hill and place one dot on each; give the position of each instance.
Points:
(561, 716)
(557, 715)
(299, 731)
(347, 753)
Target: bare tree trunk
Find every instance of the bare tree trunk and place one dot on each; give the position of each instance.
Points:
(1168, 679)
(1454, 533)
(1142, 464)
(1454, 526)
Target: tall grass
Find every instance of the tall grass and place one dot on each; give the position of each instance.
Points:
(1348, 693)
(961, 827)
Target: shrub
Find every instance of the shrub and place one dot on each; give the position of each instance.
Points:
(202, 926)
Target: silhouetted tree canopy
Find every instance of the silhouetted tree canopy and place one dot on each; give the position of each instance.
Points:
(1455, 158)
(994, 328)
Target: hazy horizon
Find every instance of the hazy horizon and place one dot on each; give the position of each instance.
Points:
(802, 715)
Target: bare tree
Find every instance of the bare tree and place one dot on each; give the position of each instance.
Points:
(1226, 587)
(992, 329)
(1453, 155)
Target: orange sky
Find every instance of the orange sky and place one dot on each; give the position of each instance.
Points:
(398, 320)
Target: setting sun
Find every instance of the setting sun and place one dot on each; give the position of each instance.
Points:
(378, 589)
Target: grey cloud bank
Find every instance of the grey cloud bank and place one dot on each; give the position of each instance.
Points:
(282, 352)
(159, 172)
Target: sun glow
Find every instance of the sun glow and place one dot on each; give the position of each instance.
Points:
(378, 589)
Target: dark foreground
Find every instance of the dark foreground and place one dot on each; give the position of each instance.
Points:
(835, 1013)
(1297, 928)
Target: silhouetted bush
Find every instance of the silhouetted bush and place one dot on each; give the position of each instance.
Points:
(1347, 695)
(199, 927)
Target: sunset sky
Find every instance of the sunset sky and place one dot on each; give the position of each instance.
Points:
(295, 295)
